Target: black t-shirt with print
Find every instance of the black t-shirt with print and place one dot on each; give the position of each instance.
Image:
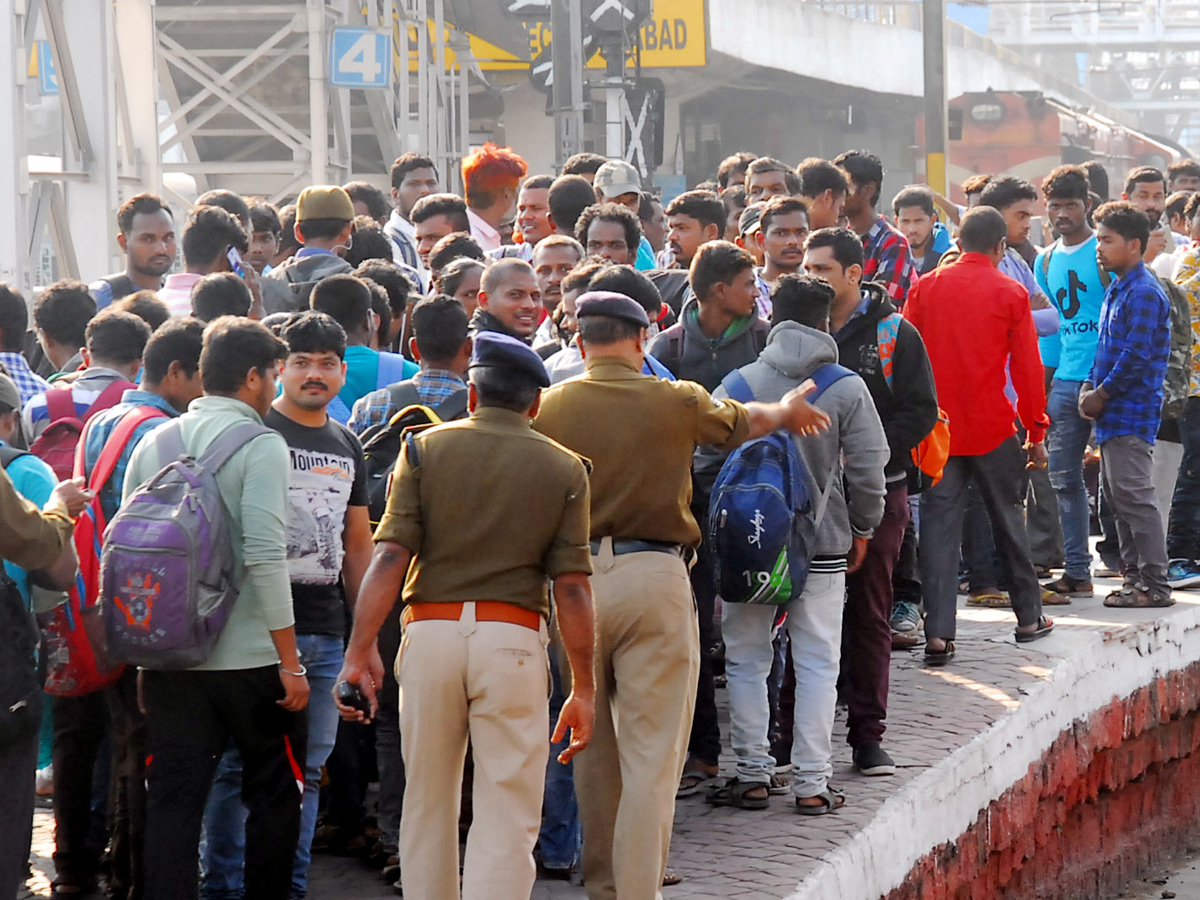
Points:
(328, 474)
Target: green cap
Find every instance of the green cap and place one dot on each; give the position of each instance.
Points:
(324, 201)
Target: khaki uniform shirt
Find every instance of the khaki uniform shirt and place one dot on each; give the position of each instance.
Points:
(640, 434)
(490, 509)
(29, 538)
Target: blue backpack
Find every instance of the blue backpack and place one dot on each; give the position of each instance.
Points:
(762, 521)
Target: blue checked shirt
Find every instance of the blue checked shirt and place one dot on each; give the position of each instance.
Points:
(29, 383)
(433, 386)
(1131, 355)
(101, 427)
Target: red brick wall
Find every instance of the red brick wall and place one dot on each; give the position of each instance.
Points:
(1113, 797)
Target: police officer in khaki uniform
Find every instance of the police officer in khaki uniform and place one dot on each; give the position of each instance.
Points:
(487, 510)
(640, 433)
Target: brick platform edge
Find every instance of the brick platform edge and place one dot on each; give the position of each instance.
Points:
(1074, 793)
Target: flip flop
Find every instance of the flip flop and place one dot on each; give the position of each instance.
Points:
(989, 600)
(670, 878)
(939, 657)
(1045, 626)
(831, 801)
(702, 780)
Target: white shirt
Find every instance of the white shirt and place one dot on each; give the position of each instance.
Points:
(487, 237)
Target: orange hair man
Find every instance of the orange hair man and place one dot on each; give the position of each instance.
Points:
(492, 176)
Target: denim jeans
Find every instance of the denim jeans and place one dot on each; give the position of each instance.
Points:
(1065, 443)
(222, 851)
(559, 838)
(814, 627)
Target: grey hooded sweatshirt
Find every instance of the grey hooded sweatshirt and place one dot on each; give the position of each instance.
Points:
(855, 437)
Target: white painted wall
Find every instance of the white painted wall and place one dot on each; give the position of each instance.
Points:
(796, 37)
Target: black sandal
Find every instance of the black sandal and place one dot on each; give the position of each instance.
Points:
(831, 801)
(734, 793)
(939, 657)
(1044, 627)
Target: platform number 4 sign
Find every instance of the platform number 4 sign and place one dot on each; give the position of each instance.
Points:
(360, 58)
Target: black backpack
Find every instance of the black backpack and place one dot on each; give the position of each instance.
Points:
(381, 443)
(20, 681)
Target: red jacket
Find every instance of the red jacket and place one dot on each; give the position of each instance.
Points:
(974, 320)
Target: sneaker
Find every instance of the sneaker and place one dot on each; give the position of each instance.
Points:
(906, 617)
(1070, 587)
(872, 759)
(1183, 573)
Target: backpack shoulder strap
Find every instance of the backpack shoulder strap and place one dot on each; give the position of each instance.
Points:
(169, 439)
(1046, 261)
(403, 393)
(229, 442)
(414, 455)
(886, 335)
(60, 403)
(106, 464)
(452, 407)
(9, 455)
(737, 387)
(109, 397)
(390, 369)
(826, 375)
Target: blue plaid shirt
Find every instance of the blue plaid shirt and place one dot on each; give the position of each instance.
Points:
(29, 383)
(101, 427)
(433, 386)
(1131, 355)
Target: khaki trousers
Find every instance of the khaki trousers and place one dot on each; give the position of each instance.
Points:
(647, 660)
(489, 682)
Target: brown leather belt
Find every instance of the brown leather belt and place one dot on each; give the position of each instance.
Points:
(485, 611)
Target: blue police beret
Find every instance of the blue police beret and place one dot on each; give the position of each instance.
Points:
(612, 304)
(493, 349)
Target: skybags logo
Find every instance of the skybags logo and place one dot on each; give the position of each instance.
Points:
(758, 521)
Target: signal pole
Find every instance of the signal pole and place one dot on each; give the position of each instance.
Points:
(937, 138)
(566, 89)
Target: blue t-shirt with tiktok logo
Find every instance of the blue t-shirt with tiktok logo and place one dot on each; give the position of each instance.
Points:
(1072, 281)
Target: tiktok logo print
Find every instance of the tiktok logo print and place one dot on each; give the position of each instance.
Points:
(1068, 297)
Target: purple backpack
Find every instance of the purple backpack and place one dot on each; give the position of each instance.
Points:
(167, 578)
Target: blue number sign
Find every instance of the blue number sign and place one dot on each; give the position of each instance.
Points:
(360, 57)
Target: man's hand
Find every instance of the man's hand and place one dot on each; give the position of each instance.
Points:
(1038, 300)
(254, 283)
(858, 554)
(1156, 245)
(73, 495)
(801, 417)
(578, 714)
(1036, 453)
(1091, 404)
(295, 688)
(367, 672)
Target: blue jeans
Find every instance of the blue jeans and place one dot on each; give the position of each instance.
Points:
(223, 848)
(1065, 443)
(559, 838)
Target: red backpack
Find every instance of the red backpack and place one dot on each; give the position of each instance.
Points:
(72, 632)
(56, 444)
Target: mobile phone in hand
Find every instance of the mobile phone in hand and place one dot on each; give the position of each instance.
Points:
(235, 261)
(352, 695)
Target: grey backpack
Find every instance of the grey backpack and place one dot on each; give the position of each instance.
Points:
(167, 578)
